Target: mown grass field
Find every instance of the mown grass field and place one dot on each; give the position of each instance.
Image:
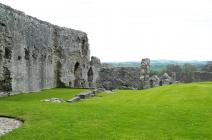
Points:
(176, 112)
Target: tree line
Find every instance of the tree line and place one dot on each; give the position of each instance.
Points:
(185, 72)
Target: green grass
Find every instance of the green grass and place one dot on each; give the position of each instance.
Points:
(176, 112)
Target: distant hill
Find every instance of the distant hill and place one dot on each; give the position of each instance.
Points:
(156, 65)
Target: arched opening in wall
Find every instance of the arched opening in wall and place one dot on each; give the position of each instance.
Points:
(90, 77)
(151, 83)
(77, 74)
(6, 82)
(76, 66)
(58, 74)
(70, 84)
(161, 83)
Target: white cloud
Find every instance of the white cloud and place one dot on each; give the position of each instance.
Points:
(126, 30)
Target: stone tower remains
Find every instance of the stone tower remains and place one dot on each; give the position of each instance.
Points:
(145, 73)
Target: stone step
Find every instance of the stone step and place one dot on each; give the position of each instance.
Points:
(86, 94)
(75, 99)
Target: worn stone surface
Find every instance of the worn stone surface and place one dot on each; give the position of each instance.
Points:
(120, 77)
(86, 94)
(74, 99)
(37, 55)
(8, 124)
(54, 100)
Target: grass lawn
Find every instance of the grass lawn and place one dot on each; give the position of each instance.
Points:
(176, 112)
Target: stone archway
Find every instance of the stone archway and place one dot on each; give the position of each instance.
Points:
(77, 74)
(90, 77)
(161, 83)
(151, 82)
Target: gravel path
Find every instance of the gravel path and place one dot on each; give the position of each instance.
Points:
(8, 124)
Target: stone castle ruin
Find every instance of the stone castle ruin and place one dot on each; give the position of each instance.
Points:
(132, 77)
(36, 55)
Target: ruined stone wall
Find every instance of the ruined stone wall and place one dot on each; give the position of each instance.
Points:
(119, 78)
(194, 77)
(202, 76)
(132, 77)
(36, 55)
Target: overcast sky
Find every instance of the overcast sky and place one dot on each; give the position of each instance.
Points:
(128, 30)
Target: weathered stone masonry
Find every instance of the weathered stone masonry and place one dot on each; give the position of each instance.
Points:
(132, 77)
(36, 55)
(119, 78)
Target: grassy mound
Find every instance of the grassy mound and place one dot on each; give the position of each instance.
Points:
(178, 112)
